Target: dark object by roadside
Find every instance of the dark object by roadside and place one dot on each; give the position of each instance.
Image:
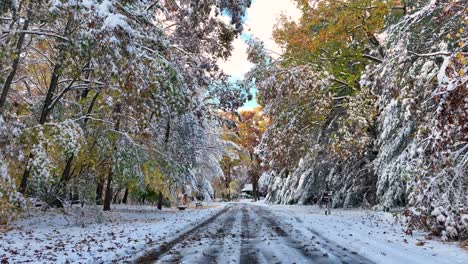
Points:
(181, 207)
(198, 204)
(326, 198)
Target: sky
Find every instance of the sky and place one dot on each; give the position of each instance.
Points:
(259, 22)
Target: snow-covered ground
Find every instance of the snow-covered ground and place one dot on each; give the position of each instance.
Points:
(93, 236)
(375, 235)
(127, 232)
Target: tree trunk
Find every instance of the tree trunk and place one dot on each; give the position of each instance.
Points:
(160, 200)
(227, 183)
(254, 174)
(99, 192)
(16, 60)
(255, 186)
(125, 198)
(108, 195)
(116, 195)
(67, 170)
(50, 93)
(168, 132)
(24, 179)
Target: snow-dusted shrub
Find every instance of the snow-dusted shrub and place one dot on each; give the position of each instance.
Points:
(10, 200)
(51, 145)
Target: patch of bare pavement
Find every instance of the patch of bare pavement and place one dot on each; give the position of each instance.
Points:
(244, 233)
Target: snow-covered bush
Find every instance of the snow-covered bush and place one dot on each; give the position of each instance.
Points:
(52, 144)
(10, 200)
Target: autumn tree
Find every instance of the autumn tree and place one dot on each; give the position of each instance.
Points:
(251, 126)
(244, 129)
(340, 37)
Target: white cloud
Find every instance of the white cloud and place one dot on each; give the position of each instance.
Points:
(261, 17)
(237, 65)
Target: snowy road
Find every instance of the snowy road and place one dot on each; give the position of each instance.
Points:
(244, 233)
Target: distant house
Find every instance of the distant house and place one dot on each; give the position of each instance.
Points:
(247, 190)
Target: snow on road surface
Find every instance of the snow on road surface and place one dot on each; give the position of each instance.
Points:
(93, 236)
(220, 233)
(246, 233)
(374, 235)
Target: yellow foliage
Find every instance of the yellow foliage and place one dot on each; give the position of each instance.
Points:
(154, 179)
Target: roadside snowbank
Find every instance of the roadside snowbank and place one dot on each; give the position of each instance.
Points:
(93, 236)
(375, 235)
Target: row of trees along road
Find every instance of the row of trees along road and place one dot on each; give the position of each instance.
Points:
(104, 100)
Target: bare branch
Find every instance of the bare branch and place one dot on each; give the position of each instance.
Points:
(372, 58)
(34, 32)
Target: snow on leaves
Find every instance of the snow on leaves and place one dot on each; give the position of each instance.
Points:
(297, 100)
(99, 88)
(423, 122)
(391, 131)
